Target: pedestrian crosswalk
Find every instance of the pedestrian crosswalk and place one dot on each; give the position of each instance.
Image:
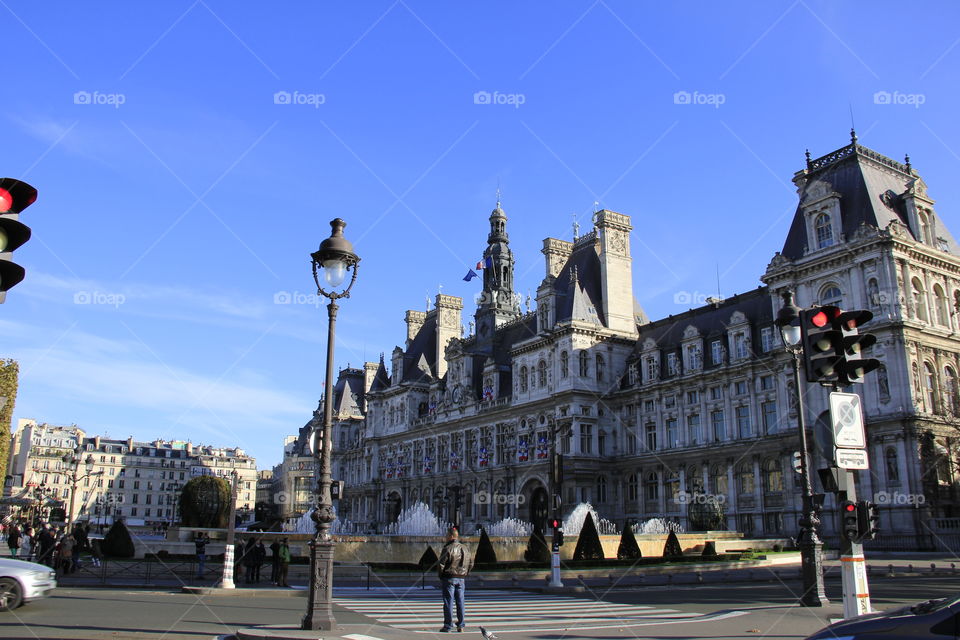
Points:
(507, 611)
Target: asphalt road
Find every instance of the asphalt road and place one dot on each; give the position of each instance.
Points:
(739, 610)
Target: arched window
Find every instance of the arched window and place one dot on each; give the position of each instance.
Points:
(929, 388)
(940, 306)
(584, 364)
(950, 391)
(823, 230)
(831, 294)
(919, 299)
(745, 478)
(542, 374)
(601, 489)
(564, 364)
(694, 480)
(600, 367)
(523, 378)
(672, 488)
(893, 466)
(633, 487)
(772, 476)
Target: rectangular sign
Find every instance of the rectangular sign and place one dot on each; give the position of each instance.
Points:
(846, 418)
(851, 458)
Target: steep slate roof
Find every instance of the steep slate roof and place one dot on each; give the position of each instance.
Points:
(575, 302)
(711, 321)
(870, 187)
(348, 393)
(381, 380)
(419, 360)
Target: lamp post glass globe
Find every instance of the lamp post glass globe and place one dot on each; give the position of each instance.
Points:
(334, 271)
(791, 335)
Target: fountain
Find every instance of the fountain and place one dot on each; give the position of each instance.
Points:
(416, 520)
(657, 526)
(510, 527)
(574, 522)
(304, 524)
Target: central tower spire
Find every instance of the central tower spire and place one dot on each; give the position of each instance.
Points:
(497, 303)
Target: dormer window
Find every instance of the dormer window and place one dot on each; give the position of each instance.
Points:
(831, 295)
(823, 230)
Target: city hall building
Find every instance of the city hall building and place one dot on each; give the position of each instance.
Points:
(690, 418)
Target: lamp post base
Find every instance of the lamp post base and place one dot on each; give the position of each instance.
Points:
(319, 614)
(811, 556)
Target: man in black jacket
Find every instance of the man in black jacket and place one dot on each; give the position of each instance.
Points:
(454, 565)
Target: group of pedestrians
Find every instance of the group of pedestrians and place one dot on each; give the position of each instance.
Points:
(49, 545)
(251, 556)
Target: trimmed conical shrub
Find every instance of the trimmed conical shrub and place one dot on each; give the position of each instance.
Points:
(628, 549)
(588, 543)
(537, 550)
(118, 543)
(485, 553)
(428, 561)
(672, 548)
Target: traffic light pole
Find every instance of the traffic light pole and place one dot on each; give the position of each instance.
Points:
(811, 547)
(853, 566)
(556, 483)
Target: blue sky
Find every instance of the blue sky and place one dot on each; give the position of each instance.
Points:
(190, 154)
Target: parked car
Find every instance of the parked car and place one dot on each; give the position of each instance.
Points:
(938, 618)
(22, 581)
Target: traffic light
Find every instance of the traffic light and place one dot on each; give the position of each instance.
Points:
(867, 520)
(556, 471)
(854, 366)
(15, 196)
(822, 344)
(849, 521)
(556, 524)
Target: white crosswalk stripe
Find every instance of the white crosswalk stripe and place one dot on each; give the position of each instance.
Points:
(419, 611)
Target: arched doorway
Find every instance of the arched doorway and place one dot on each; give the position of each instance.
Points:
(392, 507)
(539, 508)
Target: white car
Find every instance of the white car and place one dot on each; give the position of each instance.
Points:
(22, 581)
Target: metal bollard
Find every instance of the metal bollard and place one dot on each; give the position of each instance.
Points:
(699, 576)
(933, 568)
(890, 572)
(909, 568)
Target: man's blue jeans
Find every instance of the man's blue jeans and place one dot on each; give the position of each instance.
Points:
(201, 559)
(453, 589)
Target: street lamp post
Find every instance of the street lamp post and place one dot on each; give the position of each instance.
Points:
(811, 547)
(334, 257)
(72, 462)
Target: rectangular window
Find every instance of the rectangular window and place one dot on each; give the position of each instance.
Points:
(693, 357)
(766, 383)
(672, 368)
(716, 419)
(693, 397)
(651, 437)
(136, 484)
(149, 499)
(769, 414)
(672, 440)
(631, 442)
(693, 428)
(740, 387)
(740, 345)
(670, 402)
(743, 422)
(716, 352)
(767, 339)
(716, 393)
(601, 444)
(136, 498)
(133, 510)
(648, 406)
(586, 438)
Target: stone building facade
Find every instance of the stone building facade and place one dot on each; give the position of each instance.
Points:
(139, 481)
(691, 417)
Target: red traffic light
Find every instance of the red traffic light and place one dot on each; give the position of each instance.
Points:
(849, 507)
(824, 315)
(555, 523)
(15, 196)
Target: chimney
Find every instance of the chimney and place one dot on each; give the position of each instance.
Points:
(556, 252)
(449, 326)
(415, 320)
